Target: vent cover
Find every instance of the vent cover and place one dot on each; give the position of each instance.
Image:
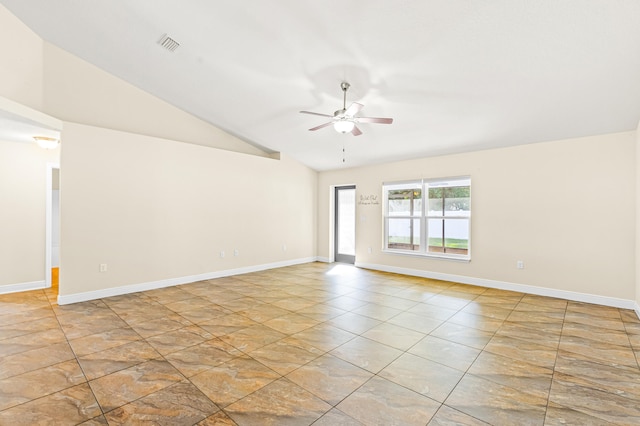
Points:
(168, 43)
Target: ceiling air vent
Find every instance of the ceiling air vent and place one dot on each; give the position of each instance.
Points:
(168, 43)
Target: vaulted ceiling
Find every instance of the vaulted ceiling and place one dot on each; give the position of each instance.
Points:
(456, 75)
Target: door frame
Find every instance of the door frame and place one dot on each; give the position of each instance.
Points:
(48, 224)
(337, 257)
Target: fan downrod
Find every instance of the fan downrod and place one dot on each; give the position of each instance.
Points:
(344, 86)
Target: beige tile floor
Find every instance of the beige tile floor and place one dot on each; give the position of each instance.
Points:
(317, 344)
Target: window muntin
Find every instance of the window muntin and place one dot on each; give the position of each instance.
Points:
(429, 217)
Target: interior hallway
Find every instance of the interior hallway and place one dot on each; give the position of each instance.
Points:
(322, 344)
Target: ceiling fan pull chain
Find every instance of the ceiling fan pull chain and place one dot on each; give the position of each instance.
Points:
(343, 152)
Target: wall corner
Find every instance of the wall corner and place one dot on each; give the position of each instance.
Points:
(637, 230)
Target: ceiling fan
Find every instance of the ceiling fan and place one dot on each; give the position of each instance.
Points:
(344, 120)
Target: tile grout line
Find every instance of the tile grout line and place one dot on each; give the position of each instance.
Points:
(358, 292)
(555, 361)
(77, 360)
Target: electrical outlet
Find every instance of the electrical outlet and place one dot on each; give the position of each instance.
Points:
(236, 252)
(369, 250)
(103, 267)
(222, 254)
(520, 264)
(284, 247)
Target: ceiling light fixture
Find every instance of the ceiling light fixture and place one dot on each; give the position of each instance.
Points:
(343, 125)
(46, 142)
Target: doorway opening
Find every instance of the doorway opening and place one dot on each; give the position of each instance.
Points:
(345, 224)
(52, 226)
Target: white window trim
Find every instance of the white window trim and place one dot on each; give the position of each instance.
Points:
(423, 252)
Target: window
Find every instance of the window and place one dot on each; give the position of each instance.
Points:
(429, 217)
(403, 217)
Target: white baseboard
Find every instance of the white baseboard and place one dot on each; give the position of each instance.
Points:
(134, 288)
(503, 285)
(14, 288)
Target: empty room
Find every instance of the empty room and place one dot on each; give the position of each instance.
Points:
(319, 213)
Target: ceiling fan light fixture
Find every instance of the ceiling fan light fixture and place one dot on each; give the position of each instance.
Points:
(343, 126)
(344, 120)
(46, 142)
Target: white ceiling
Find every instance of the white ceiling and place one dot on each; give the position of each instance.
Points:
(456, 75)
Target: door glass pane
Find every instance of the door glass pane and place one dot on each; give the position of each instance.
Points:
(347, 221)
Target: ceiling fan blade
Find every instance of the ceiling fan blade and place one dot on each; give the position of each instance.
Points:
(321, 126)
(316, 113)
(378, 120)
(353, 109)
(356, 131)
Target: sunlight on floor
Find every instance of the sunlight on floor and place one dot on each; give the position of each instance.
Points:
(341, 269)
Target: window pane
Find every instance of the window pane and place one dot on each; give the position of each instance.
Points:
(404, 202)
(456, 201)
(416, 234)
(404, 234)
(399, 208)
(449, 236)
(456, 236)
(435, 201)
(417, 203)
(436, 243)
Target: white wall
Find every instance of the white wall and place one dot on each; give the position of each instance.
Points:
(22, 165)
(77, 91)
(23, 170)
(155, 210)
(637, 195)
(21, 72)
(541, 203)
(133, 195)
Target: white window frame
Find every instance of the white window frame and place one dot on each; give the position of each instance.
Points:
(424, 185)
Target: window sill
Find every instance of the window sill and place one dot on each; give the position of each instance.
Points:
(454, 257)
